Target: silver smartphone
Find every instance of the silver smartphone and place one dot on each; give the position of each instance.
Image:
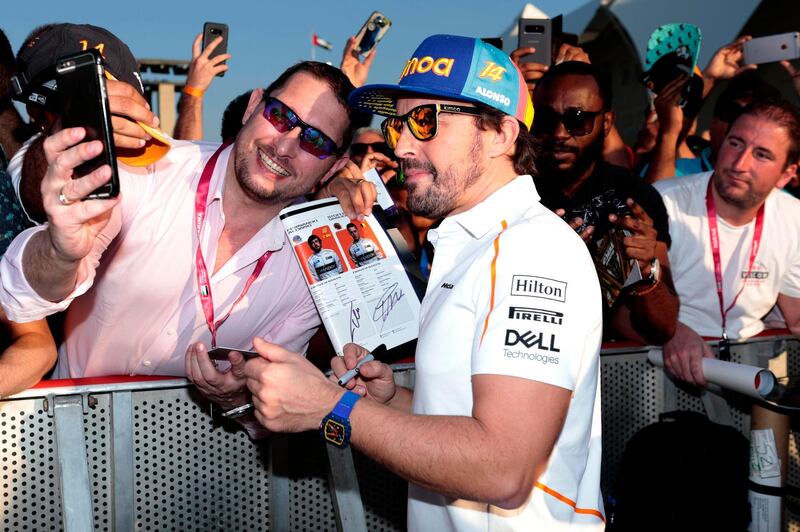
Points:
(372, 32)
(783, 46)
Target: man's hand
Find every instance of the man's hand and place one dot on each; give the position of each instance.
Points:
(202, 69)
(289, 393)
(668, 109)
(531, 72)
(73, 224)
(575, 224)
(226, 388)
(684, 354)
(727, 61)
(356, 194)
(352, 66)
(385, 166)
(127, 106)
(794, 73)
(642, 244)
(375, 379)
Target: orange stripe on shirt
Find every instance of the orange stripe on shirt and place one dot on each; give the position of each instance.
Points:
(567, 500)
(494, 277)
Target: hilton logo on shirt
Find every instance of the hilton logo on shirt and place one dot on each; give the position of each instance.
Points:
(542, 287)
(535, 314)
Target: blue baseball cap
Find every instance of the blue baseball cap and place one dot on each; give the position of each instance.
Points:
(458, 68)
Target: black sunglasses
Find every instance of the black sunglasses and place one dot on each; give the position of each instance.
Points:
(577, 122)
(423, 121)
(312, 140)
(360, 148)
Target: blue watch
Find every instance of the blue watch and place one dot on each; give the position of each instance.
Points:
(335, 427)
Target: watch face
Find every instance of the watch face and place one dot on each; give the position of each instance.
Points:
(335, 432)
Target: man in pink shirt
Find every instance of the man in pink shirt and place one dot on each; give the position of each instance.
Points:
(192, 250)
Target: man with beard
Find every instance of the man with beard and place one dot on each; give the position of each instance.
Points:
(192, 250)
(502, 429)
(573, 115)
(735, 225)
(324, 263)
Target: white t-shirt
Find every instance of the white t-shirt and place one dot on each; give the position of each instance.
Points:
(776, 269)
(536, 282)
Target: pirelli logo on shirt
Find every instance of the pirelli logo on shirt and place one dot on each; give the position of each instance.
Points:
(541, 287)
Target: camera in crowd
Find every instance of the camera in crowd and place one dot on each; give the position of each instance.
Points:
(595, 212)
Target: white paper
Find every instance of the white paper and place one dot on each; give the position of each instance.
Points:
(360, 288)
(748, 380)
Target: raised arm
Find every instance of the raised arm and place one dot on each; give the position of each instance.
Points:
(53, 257)
(201, 73)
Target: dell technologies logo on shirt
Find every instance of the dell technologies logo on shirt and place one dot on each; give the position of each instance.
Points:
(541, 287)
(532, 339)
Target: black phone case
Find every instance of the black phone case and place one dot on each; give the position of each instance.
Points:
(84, 103)
(212, 30)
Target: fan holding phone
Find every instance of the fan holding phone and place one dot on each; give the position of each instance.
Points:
(362, 45)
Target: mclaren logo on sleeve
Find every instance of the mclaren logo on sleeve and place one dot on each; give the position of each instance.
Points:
(536, 314)
(541, 287)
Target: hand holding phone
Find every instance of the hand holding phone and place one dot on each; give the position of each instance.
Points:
(538, 33)
(212, 30)
(84, 103)
(221, 353)
(371, 33)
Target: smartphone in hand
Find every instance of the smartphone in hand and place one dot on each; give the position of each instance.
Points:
(371, 33)
(83, 103)
(212, 30)
(781, 47)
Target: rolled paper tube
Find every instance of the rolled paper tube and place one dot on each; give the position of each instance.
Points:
(742, 378)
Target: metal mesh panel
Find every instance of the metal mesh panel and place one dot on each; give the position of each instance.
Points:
(310, 504)
(97, 429)
(384, 495)
(29, 491)
(190, 475)
(630, 402)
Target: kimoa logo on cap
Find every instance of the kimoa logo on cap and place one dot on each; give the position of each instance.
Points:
(422, 65)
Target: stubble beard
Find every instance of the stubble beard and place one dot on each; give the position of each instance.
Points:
(744, 200)
(440, 197)
(292, 187)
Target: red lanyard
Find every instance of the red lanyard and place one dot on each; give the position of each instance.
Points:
(203, 281)
(714, 234)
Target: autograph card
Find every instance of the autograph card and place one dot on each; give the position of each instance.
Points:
(359, 285)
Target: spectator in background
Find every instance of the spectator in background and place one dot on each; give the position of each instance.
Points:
(27, 350)
(756, 258)
(615, 151)
(13, 130)
(676, 117)
(202, 71)
(573, 115)
(233, 117)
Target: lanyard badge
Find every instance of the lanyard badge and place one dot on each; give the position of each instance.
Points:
(723, 347)
(203, 279)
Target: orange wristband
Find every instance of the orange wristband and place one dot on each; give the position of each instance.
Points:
(193, 91)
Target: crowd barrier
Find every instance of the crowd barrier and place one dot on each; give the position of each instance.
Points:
(131, 453)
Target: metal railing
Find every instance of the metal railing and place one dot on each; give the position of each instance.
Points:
(146, 454)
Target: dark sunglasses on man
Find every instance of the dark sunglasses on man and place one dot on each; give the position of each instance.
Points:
(312, 140)
(359, 149)
(577, 122)
(423, 121)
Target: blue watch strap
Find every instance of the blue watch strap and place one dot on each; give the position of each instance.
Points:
(345, 404)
